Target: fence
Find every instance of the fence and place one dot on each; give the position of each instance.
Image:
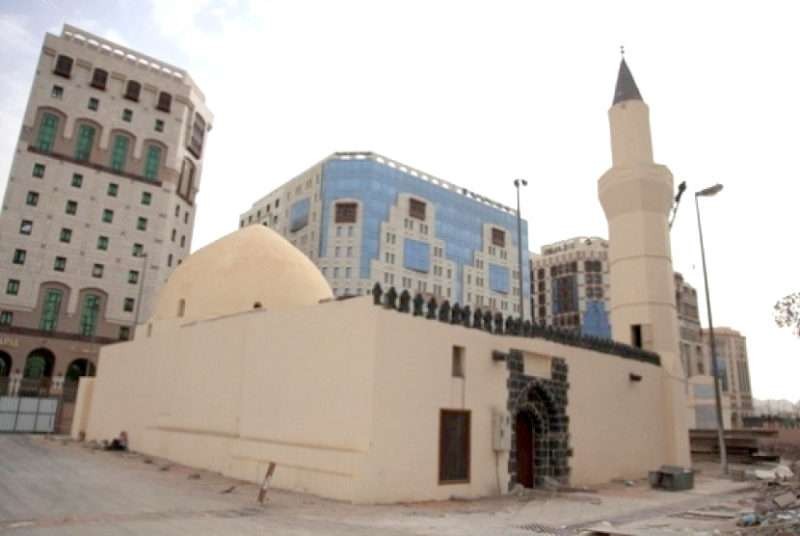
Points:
(42, 405)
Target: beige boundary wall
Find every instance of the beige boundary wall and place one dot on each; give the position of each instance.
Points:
(345, 398)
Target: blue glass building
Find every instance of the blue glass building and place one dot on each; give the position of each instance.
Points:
(363, 218)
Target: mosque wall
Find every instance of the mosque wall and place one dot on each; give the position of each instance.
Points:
(346, 397)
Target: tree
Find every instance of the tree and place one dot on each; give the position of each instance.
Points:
(787, 312)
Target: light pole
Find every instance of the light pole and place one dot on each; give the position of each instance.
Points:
(723, 454)
(518, 183)
(141, 289)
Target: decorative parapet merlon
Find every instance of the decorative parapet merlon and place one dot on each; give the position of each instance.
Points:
(497, 324)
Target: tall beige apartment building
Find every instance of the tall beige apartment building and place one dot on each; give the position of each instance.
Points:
(99, 207)
(734, 370)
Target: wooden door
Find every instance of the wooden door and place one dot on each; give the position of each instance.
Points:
(524, 432)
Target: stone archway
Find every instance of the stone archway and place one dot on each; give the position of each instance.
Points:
(540, 434)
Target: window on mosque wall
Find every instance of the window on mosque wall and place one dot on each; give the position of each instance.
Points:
(298, 214)
(416, 255)
(499, 278)
(345, 212)
(454, 446)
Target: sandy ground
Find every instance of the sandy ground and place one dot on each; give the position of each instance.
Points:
(52, 486)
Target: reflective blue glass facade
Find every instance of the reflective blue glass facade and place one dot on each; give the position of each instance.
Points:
(459, 219)
(498, 279)
(416, 255)
(595, 320)
(298, 214)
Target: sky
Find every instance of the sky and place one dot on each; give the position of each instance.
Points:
(481, 93)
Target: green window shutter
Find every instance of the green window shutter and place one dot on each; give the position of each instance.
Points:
(119, 154)
(83, 149)
(91, 306)
(47, 133)
(152, 163)
(52, 305)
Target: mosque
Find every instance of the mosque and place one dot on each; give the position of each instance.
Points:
(249, 359)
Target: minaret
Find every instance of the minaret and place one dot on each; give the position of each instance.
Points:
(636, 194)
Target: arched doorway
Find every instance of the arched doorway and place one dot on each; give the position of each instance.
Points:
(524, 431)
(5, 364)
(79, 367)
(39, 364)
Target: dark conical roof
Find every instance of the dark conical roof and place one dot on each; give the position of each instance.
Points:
(626, 87)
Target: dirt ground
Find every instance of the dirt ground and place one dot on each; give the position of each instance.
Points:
(53, 486)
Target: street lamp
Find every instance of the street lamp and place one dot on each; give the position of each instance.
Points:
(723, 454)
(518, 183)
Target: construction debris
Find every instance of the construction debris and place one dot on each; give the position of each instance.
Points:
(776, 507)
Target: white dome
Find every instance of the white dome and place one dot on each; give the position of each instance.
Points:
(252, 267)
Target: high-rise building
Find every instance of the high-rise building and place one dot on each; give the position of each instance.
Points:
(734, 370)
(99, 207)
(571, 286)
(692, 357)
(363, 218)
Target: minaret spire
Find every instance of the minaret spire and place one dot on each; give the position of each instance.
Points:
(626, 87)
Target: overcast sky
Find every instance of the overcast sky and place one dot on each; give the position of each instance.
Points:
(479, 93)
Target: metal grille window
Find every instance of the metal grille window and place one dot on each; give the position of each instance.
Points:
(133, 277)
(128, 305)
(141, 224)
(32, 199)
(138, 250)
(454, 446)
(66, 235)
(113, 189)
(89, 314)
(108, 216)
(416, 209)
(119, 154)
(94, 104)
(127, 115)
(102, 243)
(50, 310)
(159, 126)
(47, 133)
(99, 79)
(71, 208)
(63, 66)
(132, 90)
(60, 264)
(499, 237)
(38, 170)
(346, 212)
(83, 149)
(147, 197)
(152, 162)
(164, 102)
(77, 180)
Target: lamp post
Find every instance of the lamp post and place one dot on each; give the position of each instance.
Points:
(519, 183)
(723, 454)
